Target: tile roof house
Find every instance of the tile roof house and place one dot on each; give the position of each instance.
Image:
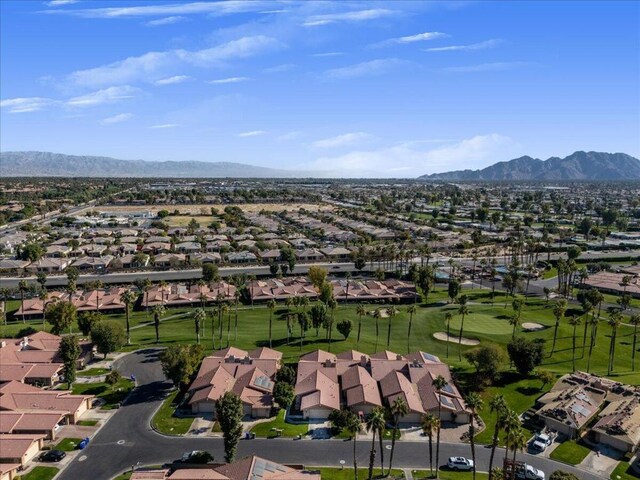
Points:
(281, 288)
(103, 300)
(177, 294)
(326, 381)
(19, 449)
(249, 468)
(247, 374)
(619, 425)
(368, 290)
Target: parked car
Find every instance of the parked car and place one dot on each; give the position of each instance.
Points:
(460, 463)
(52, 456)
(527, 472)
(540, 442)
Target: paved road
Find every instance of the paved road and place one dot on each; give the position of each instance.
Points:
(127, 438)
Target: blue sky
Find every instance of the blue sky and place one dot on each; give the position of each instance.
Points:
(375, 88)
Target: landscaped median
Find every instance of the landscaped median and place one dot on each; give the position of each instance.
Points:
(268, 429)
(570, 452)
(165, 421)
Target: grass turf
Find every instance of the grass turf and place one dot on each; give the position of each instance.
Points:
(164, 420)
(92, 372)
(39, 473)
(111, 394)
(68, 444)
(288, 429)
(570, 452)
(623, 472)
(88, 423)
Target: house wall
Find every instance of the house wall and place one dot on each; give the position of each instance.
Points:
(560, 427)
(259, 412)
(316, 413)
(617, 443)
(204, 407)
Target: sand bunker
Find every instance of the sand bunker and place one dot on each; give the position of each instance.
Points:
(532, 327)
(454, 339)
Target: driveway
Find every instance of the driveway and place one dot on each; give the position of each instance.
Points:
(128, 439)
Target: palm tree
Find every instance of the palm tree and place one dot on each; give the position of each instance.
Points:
(199, 316)
(593, 322)
(332, 304)
(360, 311)
(376, 423)
(411, 310)
(511, 423)
(587, 308)
(44, 295)
(475, 403)
(158, 311)
(377, 314)
(635, 321)
(397, 410)
(271, 305)
(463, 310)
(574, 321)
(439, 383)
(430, 424)
(353, 427)
(514, 320)
(518, 441)
(559, 310)
(615, 318)
(22, 286)
(391, 312)
(236, 297)
(498, 406)
(128, 298)
(447, 318)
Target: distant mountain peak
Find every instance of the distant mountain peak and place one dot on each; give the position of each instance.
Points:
(579, 165)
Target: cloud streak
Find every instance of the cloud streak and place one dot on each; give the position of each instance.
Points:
(222, 81)
(353, 16)
(473, 46)
(105, 95)
(371, 68)
(172, 80)
(121, 117)
(154, 65)
(344, 140)
(164, 125)
(420, 37)
(252, 133)
(26, 104)
(486, 67)
(165, 21)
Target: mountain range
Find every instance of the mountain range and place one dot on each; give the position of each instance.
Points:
(47, 164)
(577, 166)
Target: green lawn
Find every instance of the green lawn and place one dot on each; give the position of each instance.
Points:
(92, 372)
(68, 444)
(111, 394)
(165, 422)
(327, 473)
(288, 429)
(623, 472)
(39, 473)
(570, 452)
(88, 423)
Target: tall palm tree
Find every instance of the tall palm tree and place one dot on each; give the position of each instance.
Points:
(497, 405)
(518, 441)
(391, 312)
(593, 322)
(615, 318)
(271, 305)
(514, 321)
(635, 321)
(22, 286)
(587, 308)
(376, 424)
(463, 311)
(439, 383)
(236, 297)
(377, 314)
(447, 318)
(128, 298)
(511, 423)
(360, 311)
(574, 321)
(411, 310)
(158, 311)
(430, 425)
(199, 316)
(397, 410)
(559, 309)
(475, 403)
(353, 427)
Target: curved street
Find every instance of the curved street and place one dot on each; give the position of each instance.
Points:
(127, 438)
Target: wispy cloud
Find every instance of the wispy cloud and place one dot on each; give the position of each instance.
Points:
(370, 68)
(153, 65)
(353, 16)
(164, 125)
(344, 140)
(105, 95)
(494, 42)
(222, 81)
(60, 3)
(172, 80)
(284, 67)
(252, 133)
(26, 104)
(328, 54)
(420, 37)
(171, 9)
(486, 67)
(121, 117)
(165, 21)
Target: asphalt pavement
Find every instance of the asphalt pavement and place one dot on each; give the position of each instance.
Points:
(127, 439)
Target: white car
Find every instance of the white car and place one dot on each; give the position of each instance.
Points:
(529, 473)
(460, 463)
(541, 441)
